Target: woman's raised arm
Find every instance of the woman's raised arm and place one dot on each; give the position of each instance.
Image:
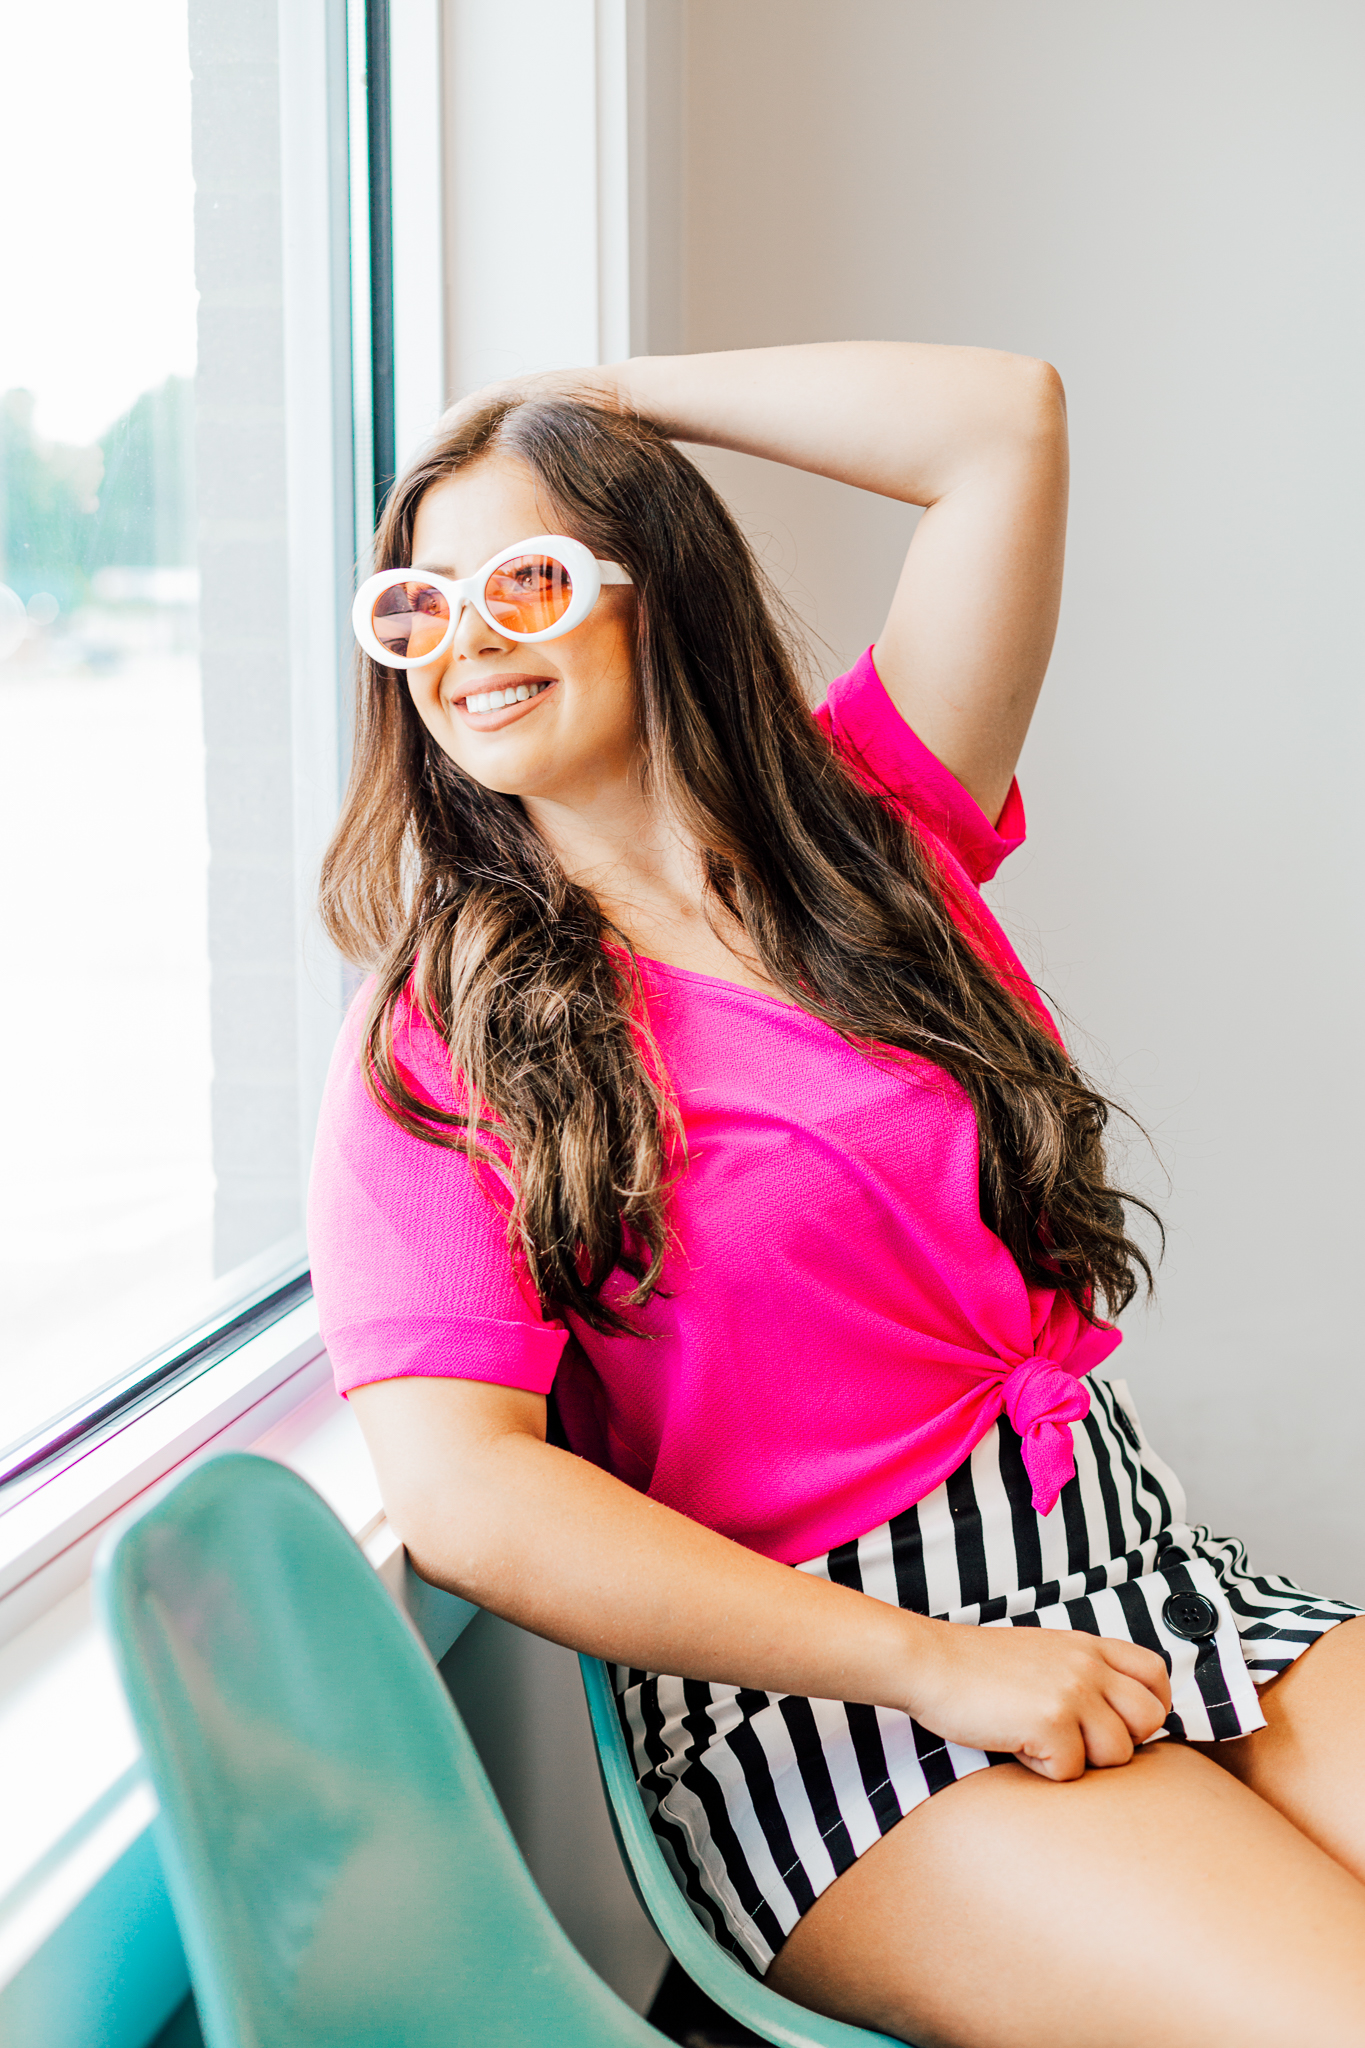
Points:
(976, 436)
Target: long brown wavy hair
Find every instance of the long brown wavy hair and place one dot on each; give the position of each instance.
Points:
(434, 881)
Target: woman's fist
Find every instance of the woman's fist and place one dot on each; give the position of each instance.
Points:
(1055, 1699)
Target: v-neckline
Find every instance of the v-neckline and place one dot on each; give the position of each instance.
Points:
(742, 988)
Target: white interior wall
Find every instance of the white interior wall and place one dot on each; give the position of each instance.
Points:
(542, 186)
(521, 183)
(1164, 201)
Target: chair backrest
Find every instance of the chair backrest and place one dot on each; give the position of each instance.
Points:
(718, 1974)
(337, 1861)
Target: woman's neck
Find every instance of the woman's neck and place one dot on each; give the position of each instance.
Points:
(646, 872)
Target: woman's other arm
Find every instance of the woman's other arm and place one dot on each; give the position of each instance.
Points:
(975, 436)
(490, 1510)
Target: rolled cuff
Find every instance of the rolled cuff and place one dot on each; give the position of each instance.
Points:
(519, 1355)
(863, 722)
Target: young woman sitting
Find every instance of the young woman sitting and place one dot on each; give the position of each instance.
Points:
(695, 1082)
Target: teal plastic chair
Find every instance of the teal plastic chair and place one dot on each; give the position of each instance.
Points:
(338, 1864)
(710, 1967)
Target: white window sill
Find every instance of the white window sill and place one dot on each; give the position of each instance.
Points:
(71, 1784)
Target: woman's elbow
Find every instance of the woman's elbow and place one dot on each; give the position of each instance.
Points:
(460, 1526)
(1041, 396)
(447, 1548)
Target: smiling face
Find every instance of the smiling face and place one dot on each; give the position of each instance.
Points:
(571, 737)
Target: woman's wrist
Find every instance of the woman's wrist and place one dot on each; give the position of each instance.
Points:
(889, 1656)
(916, 1661)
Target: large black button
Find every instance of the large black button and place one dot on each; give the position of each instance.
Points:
(1191, 1615)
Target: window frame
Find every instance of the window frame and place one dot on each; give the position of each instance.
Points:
(249, 1301)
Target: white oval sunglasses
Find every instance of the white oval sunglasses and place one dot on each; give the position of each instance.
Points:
(534, 591)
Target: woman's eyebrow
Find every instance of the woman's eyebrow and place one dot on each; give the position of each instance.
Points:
(435, 569)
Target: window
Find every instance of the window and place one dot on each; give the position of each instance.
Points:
(108, 1191)
(179, 511)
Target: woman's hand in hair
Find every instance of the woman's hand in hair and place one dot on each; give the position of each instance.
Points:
(596, 383)
(976, 436)
(1054, 1699)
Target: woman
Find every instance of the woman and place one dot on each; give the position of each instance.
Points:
(696, 1079)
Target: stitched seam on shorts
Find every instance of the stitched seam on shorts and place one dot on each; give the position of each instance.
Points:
(834, 1825)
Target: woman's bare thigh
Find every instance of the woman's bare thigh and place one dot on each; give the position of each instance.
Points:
(1162, 1901)
(1309, 1759)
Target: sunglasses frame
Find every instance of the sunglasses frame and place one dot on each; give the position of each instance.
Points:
(586, 575)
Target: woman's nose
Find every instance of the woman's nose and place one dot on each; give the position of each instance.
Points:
(473, 635)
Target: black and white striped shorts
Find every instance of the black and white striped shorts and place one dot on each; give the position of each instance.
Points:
(759, 1800)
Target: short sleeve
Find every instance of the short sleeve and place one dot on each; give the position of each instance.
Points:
(411, 1268)
(867, 729)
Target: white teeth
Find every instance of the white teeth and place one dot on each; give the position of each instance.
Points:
(495, 700)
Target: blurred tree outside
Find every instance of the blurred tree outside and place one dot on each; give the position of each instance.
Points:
(127, 501)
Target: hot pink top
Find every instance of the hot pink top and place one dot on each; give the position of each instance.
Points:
(837, 1326)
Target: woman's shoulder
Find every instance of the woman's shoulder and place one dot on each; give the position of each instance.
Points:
(382, 1178)
(421, 1057)
(408, 1241)
(863, 725)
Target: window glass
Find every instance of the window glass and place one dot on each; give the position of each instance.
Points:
(106, 1198)
(176, 450)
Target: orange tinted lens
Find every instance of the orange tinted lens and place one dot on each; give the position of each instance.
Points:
(528, 593)
(410, 619)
